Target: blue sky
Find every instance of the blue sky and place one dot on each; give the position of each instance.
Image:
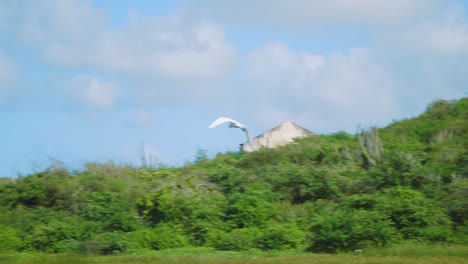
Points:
(91, 81)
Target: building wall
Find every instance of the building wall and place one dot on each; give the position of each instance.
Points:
(277, 136)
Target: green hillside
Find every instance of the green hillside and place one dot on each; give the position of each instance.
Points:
(327, 193)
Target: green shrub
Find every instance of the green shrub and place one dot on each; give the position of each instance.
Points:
(252, 208)
(50, 237)
(274, 236)
(163, 236)
(371, 229)
(166, 236)
(341, 230)
(281, 236)
(143, 238)
(236, 240)
(457, 201)
(9, 239)
(105, 244)
(413, 215)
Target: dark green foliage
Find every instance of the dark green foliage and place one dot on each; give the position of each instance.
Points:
(237, 239)
(413, 215)
(163, 236)
(274, 236)
(457, 201)
(327, 193)
(253, 208)
(337, 228)
(281, 236)
(107, 243)
(49, 237)
(456, 204)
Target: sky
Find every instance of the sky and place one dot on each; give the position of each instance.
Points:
(94, 81)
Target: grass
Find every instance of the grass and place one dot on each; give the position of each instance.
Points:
(409, 249)
(401, 254)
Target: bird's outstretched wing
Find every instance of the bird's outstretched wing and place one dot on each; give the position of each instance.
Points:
(223, 120)
(233, 123)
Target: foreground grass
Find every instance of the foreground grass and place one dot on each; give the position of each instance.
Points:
(403, 254)
(312, 259)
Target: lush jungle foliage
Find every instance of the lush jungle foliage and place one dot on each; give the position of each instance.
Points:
(327, 193)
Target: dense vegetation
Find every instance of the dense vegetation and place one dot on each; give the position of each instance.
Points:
(327, 193)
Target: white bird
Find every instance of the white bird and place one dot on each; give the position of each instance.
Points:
(235, 124)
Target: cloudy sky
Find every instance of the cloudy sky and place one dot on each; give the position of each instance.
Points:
(91, 81)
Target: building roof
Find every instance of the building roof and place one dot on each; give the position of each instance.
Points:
(280, 135)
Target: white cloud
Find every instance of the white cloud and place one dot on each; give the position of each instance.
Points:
(73, 33)
(428, 58)
(175, 57)
(446, 35)
(92, 91)
(336, 91)
(306, 13)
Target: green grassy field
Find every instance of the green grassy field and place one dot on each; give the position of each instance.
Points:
(300, 259)
(403, 254)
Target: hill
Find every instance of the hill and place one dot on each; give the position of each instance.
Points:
(327, 193)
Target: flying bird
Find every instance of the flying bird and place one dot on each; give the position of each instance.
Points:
(233, 124)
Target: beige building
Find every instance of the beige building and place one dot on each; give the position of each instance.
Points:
(280, 135)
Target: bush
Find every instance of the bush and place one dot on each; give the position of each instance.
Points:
(457, 201)
(163, 236)
(105, 244)
(166, 236)
(9, 240)
(344, 230)
(250, 209)
(143, 238)
(413, 215)
(50, 237)
(281, 236)
(371, 229)
(237, 239)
